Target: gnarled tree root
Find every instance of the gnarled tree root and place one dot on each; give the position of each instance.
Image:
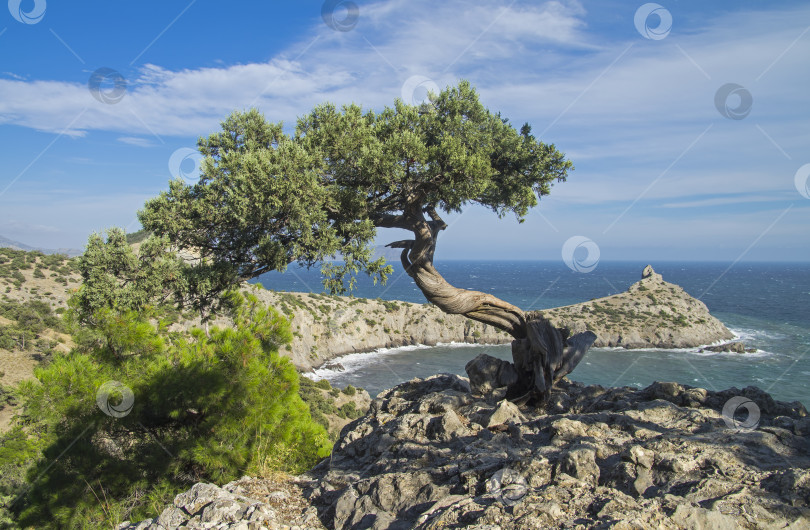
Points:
(545, 356)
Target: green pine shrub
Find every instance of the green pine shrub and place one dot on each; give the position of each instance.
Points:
(207, 407)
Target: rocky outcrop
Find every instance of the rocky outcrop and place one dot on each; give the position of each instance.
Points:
(730, 347)
(246, 504)
(430, 454)
(652, 313)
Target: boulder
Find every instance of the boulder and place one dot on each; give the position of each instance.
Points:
(487, 373)
(730, 347)
(649, 274)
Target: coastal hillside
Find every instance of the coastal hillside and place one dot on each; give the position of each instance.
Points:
(652, 313)
(325, 327)
(432, 454)
(34, 288)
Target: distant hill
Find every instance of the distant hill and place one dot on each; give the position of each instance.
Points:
(16, 245)
(391, 255)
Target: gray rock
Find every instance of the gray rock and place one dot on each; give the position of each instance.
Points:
(587, 464)
(580, 463)
(446, 427)
(223, 510)
(660, 457)
(487, 373)
(730, 347)
(694, 518)
(649, 274)
(507, 412)
(172, 517)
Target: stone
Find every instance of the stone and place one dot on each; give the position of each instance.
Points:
(649, 273)
(446, 427)
(643, 482)
(222, 510)
(694, 518)
(172, 517)
(580, 463)
(641, 456)
(193, 500)
(506, 412)
(567, 429)
(730, 347)
(487, 373)
(659, 457)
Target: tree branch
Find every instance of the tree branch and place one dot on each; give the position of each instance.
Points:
(417, 260)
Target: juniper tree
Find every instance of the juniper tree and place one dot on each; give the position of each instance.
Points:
(266, 199)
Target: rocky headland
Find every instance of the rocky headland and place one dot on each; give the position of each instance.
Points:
(652, 313)
(432, 453)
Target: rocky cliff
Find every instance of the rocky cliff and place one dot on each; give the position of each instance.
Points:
(325, 327)
(651, 313)
(431, 454)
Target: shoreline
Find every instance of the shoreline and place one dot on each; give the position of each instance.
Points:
(336, 364)
(650, 314)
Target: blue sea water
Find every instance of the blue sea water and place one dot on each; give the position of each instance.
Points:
(766, 304)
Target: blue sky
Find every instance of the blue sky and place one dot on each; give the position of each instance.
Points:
(660, 174)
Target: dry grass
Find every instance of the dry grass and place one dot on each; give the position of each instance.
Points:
(16, 366)
(36, 288)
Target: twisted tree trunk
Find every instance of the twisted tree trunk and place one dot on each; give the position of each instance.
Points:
(542, 354)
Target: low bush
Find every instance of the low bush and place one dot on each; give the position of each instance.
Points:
(134, 415)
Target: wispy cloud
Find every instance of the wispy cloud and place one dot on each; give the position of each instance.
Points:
(413, 37)
(532, 61)
(730, 200)
(136, 141)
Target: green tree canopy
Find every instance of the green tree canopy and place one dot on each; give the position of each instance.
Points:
(266, 199)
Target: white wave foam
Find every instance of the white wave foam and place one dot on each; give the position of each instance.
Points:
(692, 351)
(354, 361)
(754, 334)
(752, 355)
(455, 344)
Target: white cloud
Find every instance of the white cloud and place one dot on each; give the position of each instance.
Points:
(136, 141)
(328, 65)
(624, 111)
(723, 201)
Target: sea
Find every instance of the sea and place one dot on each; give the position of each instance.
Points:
(766, 305)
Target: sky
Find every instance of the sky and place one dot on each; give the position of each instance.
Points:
(688, 122)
